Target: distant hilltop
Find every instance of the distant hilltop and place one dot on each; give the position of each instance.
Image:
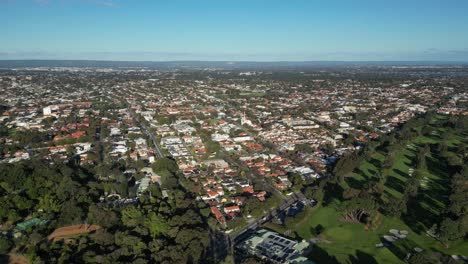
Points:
(11, 64)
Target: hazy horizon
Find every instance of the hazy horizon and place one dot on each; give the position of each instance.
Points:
(208, 30)
(252, 61)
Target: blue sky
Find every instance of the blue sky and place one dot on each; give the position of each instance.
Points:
(255, 30)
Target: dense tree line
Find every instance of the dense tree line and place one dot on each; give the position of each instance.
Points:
(166, 225)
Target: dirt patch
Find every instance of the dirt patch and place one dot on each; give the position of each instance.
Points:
(62, 232)
(13, 259)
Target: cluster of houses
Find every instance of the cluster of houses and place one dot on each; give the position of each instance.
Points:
(221, 132)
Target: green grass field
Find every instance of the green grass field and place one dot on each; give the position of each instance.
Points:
(344, 242)
(351, 243)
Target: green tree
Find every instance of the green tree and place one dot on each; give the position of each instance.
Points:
(102, 216)
(156, 224)
(130, 245)
(396, 207)
(5, 245)
(358, 209)
(49, 203)
(449, 231)
(71, 213)
(389, 160)
(296, 179)
(165, 164)
(132, 216)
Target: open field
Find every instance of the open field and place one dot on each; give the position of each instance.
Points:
(344, 242)
(66, 231)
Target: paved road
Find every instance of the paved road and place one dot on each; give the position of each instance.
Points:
(148, 132)
(269, 216)
(99, 144)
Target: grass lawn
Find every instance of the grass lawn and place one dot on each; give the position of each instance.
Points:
(351, 243)
(347, 242)
(340, 242)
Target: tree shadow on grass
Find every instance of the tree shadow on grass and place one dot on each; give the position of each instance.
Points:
(418, 218)
(372, 172)
(353, 183)
(396, 250)
(436, 167)
(359, 171)
(362, 258)
(219, 246)
(333, 191)
(319, 255)
(409, 164)
(377, 163)
(387, 194)
(401, 173)
(412, 150)
(395, 184)
(439, 203)
(411, 159)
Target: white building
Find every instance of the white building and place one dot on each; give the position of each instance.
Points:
(47, 111)
(219, 137)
